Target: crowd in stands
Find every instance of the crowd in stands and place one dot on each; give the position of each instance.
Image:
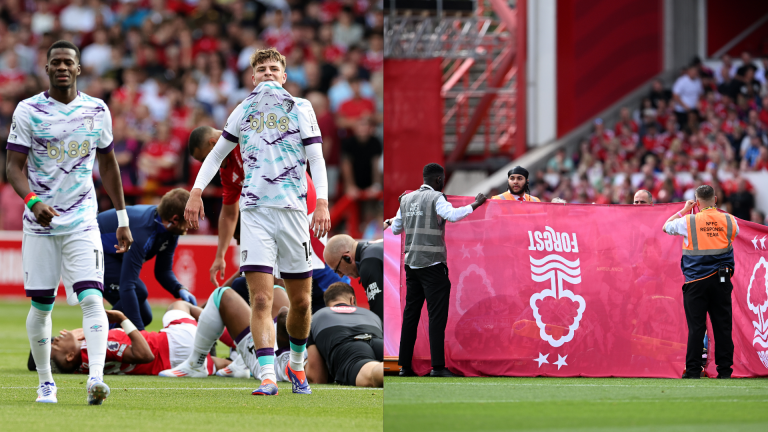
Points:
(711, 127)
(167, 66)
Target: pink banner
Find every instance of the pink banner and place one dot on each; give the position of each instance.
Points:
(543, 289)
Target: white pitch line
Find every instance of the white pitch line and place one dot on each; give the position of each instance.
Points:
(410, 402)
(469, 383)
(204, 388)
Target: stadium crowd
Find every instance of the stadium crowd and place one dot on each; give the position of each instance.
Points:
(166, 67)
(709, 128)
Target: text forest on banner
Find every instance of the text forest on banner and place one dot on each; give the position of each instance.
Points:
(577, 290)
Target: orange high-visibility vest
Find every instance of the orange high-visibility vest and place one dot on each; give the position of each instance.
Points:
(710, 244)
(508, 196)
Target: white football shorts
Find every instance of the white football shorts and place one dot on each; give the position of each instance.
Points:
(275, 238)
(181, 336)
(76, 258)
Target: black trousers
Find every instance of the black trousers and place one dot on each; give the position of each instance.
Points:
(700, 297)
(430, 284)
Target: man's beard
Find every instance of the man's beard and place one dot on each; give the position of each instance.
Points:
(520, 192)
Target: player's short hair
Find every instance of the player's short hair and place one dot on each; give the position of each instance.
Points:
(432, 170)
(705, 192)
(337, 290)
(264, 55)
(199, 135)
(173, 203)
(66, 45)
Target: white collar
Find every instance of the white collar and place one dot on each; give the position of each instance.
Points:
(427, 186)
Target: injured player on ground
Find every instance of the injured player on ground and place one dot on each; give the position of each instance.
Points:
(184, 342)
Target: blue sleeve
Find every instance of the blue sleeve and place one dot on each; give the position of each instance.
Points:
(325, 277)
(129, 274)
(164, 268)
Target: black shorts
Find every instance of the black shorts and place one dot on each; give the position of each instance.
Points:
(356, 354)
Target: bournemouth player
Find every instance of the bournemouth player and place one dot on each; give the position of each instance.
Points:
(201, 142)
(517, 179)
(57, 135)
(278, 136)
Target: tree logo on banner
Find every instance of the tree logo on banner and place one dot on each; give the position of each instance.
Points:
(555, 269)
(755, 305)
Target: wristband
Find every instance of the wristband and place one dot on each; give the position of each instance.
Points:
(679, 215)
(122, 218)
(127, 326)
(31, 200)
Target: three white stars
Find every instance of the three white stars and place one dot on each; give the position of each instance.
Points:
(560, 360)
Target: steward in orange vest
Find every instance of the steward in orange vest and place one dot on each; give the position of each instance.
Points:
(708, 266)
(517, 180)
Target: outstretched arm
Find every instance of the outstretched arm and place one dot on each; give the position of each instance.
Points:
(110, 177)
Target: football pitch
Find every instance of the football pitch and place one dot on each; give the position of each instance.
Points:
(575, 404)
(153, 403)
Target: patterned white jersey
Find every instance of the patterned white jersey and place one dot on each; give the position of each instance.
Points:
(61, 141)
(272, 128)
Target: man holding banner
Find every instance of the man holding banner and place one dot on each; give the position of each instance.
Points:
(708, 265)
(422, 215)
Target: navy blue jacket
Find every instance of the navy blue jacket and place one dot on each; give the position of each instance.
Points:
(150, 239)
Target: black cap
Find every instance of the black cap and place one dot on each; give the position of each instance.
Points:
(518, 170)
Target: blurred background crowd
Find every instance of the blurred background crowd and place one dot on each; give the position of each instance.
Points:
(167, 67)
(709, 127)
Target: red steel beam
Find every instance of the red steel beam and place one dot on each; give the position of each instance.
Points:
(509, 18)
(521, 116)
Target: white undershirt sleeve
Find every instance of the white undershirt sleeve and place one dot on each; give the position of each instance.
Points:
(212, 163)
(317, 165)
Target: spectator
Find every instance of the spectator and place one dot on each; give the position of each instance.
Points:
(78, 17)
(346, 32)
(351, 110)
(686, 93)
(96, 57)
(360, 155)
(742, 202)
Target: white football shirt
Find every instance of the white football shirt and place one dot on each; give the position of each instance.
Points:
(60, 141)
(272, 128)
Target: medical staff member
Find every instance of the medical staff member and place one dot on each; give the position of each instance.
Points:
(708, 266)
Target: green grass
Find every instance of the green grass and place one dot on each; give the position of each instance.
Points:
(575, 404)
(152, 403)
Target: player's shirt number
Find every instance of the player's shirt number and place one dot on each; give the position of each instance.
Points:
(73, 149)
(271, 122)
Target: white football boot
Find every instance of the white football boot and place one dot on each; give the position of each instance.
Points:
(236, 369)
(185, 370)
(46, 393)
(97, 391)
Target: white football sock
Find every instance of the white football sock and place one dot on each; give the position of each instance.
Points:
(267, 372)
(39, 334)
(209, 328)
(96, 329)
